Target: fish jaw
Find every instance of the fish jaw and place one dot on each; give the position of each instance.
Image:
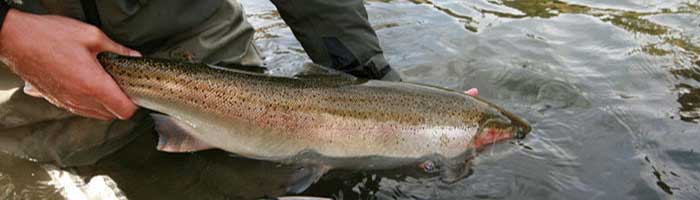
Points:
(491, 136)
(505, 126)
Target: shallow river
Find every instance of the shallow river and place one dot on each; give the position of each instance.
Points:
(611, 88)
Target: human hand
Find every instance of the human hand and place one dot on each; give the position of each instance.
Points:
(472, 92)
(57, 56)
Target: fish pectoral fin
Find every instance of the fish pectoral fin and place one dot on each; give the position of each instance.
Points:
(304, 177)
(455, 170)
(176, 136)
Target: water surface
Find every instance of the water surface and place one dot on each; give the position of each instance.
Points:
(611, 88)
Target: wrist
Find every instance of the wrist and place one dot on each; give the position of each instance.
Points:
(7, 16)
(6, 34)
(4, 9)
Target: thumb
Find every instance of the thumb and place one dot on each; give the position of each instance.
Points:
(472, 92)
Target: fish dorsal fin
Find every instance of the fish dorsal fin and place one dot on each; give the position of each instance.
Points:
(318, 72)
(176, 136)
(246, 68)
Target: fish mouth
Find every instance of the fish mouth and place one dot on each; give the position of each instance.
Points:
(492, 135)
(521, 127)
(508, 119)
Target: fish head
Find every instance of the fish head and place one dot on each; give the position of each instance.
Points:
(499, 125)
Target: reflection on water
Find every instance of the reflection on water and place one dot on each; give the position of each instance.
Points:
(611, 88)
(23, 179)
(690, 103)
(689, 95)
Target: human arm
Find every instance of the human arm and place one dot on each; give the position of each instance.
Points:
(57, 56)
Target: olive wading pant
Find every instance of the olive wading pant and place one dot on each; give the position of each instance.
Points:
(334, 33)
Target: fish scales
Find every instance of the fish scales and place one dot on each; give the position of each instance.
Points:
(275, 118)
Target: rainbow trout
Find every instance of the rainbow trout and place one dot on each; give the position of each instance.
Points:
(320, 119)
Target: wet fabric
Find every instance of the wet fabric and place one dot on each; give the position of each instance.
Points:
(208, 31)
(33, 128)
(336, 34)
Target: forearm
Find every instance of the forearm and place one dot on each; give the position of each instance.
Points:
(5, 30)
(18, 38)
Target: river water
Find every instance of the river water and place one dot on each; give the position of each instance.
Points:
(611, 88)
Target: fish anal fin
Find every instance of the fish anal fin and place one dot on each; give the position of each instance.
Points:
(176, 136)
(305, 176)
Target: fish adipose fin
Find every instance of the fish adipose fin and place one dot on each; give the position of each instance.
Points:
(315, 71)
(304, 177)
(176, 136)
